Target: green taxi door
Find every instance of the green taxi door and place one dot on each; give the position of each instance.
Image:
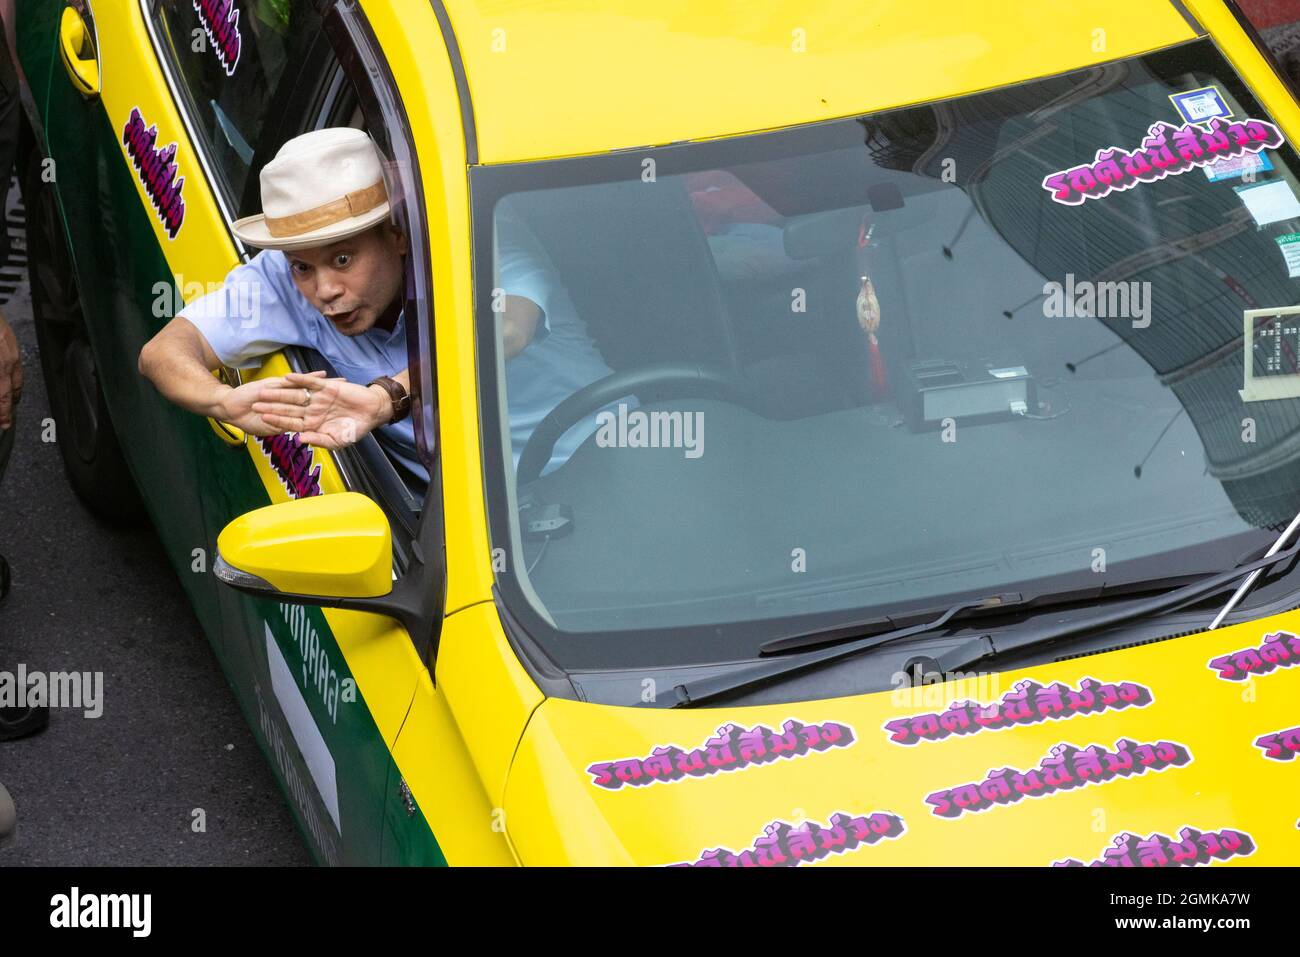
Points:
(98, 278)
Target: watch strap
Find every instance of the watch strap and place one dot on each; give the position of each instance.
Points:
(401, 399)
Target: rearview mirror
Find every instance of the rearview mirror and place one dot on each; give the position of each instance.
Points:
(329, 546)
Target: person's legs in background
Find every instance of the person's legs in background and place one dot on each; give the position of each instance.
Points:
(7, 814)
(14, 722)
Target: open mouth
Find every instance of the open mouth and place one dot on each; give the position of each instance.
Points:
(343, 318)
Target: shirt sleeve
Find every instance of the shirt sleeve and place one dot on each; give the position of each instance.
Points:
(522, 266)
(253, 313)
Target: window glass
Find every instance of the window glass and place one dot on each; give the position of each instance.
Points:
(971, 350)
(229, 56)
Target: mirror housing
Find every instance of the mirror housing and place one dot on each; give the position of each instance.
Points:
(331, 546)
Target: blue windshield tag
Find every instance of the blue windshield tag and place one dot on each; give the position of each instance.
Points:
(1244, 165)
(1197, 106)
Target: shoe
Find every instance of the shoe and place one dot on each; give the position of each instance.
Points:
(20, 722)
(8, 816)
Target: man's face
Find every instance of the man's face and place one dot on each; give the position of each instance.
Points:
(353, 280)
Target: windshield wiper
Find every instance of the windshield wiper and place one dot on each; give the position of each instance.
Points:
(992, 605)
(979, 649)
(896, 625)
(970, 652)
(697, 692)
(1249, 583)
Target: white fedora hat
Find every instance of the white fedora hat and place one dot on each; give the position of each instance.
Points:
(321, 187)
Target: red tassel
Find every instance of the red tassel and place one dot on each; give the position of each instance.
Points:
(879, 380)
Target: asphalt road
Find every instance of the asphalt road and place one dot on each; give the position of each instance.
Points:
(123, 788)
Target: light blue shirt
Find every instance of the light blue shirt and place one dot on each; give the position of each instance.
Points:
(560, 359)
(259, 310)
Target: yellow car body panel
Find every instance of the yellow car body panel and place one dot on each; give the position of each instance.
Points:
(1227, 781)
(480, 704)
(439, 768)
(1247, 60)
(563, 77)
(489, 691)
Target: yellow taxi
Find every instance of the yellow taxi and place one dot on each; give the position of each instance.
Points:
(931, 502)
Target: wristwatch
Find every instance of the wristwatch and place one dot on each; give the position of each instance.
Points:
(401, 398)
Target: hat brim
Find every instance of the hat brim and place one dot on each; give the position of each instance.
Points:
(252, 230)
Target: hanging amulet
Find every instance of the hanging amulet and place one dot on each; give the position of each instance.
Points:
(868, 308)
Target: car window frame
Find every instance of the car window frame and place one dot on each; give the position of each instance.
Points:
(362, 61)
(310, 99)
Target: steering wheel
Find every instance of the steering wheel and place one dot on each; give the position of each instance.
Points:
(680, 379)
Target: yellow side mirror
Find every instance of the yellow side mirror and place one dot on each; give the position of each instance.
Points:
(331, 546)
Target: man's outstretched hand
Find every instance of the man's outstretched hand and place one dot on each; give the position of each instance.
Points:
(236, 407)
(327, 413)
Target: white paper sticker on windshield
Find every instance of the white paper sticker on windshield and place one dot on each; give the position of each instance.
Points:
(1290, 246)
(1249, 163)
(1270, 202)
(1272, 354)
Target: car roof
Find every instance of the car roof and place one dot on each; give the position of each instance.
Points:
(563, 77)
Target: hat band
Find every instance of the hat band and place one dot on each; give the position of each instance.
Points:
(353, 204)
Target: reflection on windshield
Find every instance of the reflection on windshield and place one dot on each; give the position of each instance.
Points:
(873, 363)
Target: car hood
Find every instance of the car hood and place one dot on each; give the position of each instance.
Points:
(1177, 753)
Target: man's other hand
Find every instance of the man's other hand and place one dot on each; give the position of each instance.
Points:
(327, 413)
(519, 321)
(11, 374)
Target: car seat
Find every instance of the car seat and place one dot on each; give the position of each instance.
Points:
(638, 245)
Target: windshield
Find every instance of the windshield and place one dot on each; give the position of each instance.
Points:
(737, 388)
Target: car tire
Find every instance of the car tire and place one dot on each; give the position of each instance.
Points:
(87, 442)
